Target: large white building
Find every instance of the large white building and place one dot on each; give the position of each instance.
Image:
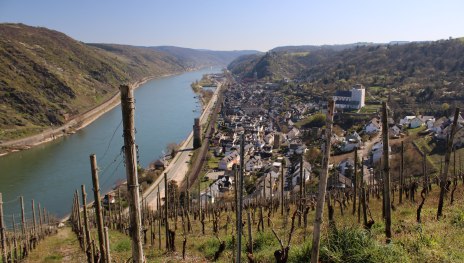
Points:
(350, 99)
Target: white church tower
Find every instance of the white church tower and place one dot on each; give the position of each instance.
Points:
(350, 99)
(358, 93)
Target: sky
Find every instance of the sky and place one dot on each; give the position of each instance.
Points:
(241, 24)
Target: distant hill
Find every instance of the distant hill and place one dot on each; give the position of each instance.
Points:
(47, 77)
(311, 48)
(413, 74)
(201, 57)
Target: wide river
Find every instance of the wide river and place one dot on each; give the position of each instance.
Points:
(164, 112)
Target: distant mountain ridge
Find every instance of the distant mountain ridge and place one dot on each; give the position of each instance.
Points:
(336, 47)
(301, 57)
(421, 75)
(308, 61)
(47, 77)
(203, 56)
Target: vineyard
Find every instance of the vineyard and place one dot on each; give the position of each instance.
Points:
(277, 226)
(378, 220)
(21, 235)
(212, 237)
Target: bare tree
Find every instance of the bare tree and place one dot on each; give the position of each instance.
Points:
(172, 149)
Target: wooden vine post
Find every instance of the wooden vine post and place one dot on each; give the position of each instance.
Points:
(355, 175)
(322, 184)
(2, 231)
(34, 225)
(24, 227)
(240, 199)
(300, 201)
(166, 203)
(97, 205)
(444, 175)
(386, 172)
(401, 173)
(86, 222)
(107, 245)
(282, 189)
(135, 229)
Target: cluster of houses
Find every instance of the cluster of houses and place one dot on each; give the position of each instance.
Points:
(440, 127)
(268, 128)
(273, 143)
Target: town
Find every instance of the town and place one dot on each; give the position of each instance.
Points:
(284, 133)
(231, 131)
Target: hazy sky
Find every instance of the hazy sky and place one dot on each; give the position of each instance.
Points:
(241, 24)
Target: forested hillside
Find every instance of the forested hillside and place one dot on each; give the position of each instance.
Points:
(426, 73)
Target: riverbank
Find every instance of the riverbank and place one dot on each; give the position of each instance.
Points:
(179, 166)
(78, 122)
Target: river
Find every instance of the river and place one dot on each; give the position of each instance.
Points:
(164, 112)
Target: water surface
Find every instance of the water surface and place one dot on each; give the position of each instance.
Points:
(50, 173)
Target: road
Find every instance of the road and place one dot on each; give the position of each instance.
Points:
(362, 155)
(179, 166)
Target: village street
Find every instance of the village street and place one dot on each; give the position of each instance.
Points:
(364, 153)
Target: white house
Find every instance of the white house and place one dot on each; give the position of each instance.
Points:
(353, 137)
(373, 126)
(406, 120)
(206, 197)
(269, 139)
(439, 125)
(377, 152)
(430, 123)
(351, 141)
(221, 185)
(415, 123)
(254, 163)
(345, 165)
(427, 120)
(293, 133)
(228, 161)
(460, 119)
(295, 176)
(394, 131)
(348, 146)
(350, 99)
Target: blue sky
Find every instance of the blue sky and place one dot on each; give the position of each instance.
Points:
(241, 24)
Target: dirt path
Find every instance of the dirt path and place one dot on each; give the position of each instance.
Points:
(62, 247)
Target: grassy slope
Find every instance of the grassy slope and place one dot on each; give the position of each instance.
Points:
(62, 247)
(47, 77)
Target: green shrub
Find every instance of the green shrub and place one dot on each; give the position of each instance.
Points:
(458, 219)
(357, 245)
(301, 253)
(54, 258)
(209, 248)
(122, 245)
(264, 240)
